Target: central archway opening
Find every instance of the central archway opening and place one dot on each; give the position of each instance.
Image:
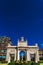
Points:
(22, 56)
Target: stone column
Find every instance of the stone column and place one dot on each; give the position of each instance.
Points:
(8, 56)
(28, 55)
(18, 57)
(15, 56)
(37, 56)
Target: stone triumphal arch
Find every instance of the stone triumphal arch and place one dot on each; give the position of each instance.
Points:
(14, 51)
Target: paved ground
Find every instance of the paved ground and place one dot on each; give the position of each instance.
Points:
(3, 64)
(41, 63)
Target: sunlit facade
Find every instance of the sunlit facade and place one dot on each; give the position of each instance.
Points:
(21, 52)
(29, 53)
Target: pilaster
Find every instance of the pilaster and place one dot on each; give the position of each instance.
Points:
(28, 55)
(37, 56)
(18, 57)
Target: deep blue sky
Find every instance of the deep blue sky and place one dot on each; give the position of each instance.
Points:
(22, 18)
